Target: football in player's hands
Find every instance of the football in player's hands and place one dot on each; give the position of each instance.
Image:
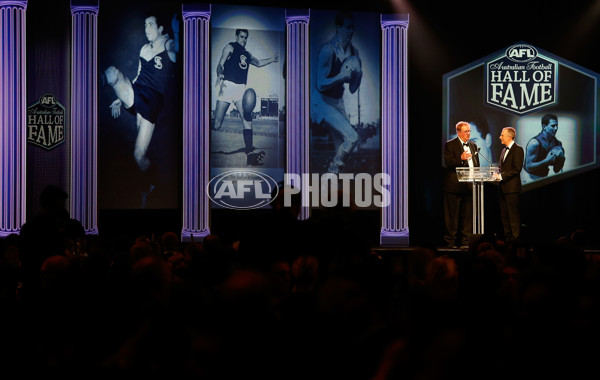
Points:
(352, 65)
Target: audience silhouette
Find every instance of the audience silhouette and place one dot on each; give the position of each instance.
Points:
(315, 305)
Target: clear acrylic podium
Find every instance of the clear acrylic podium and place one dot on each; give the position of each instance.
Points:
(477, 176)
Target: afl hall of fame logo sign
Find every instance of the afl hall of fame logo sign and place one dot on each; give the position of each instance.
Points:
(521, 80)
(46, 123)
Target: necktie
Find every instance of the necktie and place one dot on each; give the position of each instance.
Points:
(503, 154)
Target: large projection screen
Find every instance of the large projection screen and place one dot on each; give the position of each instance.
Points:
(573, 96)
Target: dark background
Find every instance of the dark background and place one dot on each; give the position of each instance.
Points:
(441, 38)
(48, 57)
(445, 36)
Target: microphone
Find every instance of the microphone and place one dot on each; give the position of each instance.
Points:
(478, 152)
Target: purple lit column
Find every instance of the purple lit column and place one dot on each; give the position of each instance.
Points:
(297, 98)
(196, 122)
(84, 116)
(13, 111)
(394, 150)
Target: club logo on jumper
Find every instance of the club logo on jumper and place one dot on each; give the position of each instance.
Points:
(158, 62)
(46, 123)
(521, 80)
(242, 189)
(243, 63)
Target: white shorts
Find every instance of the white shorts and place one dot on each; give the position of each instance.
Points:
(231, 92)
(324, 107)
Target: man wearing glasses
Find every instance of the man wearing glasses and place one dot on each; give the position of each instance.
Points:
(458, 196)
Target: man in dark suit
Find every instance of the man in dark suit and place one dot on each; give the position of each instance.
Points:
(458, 196)
(511, 163)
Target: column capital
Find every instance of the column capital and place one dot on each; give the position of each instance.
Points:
(82, 6)
(195, 11)
(297, 15)
(14, 3)
(391, 20)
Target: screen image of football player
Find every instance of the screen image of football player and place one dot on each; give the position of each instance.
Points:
(232, 76)
(338, 63)
(144, 95)
(545, 150)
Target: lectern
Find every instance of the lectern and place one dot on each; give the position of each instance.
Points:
(477, 176)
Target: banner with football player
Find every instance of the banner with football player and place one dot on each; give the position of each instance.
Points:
(345, 92)
(247, 95)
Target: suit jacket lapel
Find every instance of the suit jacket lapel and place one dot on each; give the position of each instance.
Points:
(475, 156)
(471, 148)
(508, 155)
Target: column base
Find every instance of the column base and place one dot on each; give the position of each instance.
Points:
(93, 231)
(394, 238)
(5, 234)
(188, 236)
